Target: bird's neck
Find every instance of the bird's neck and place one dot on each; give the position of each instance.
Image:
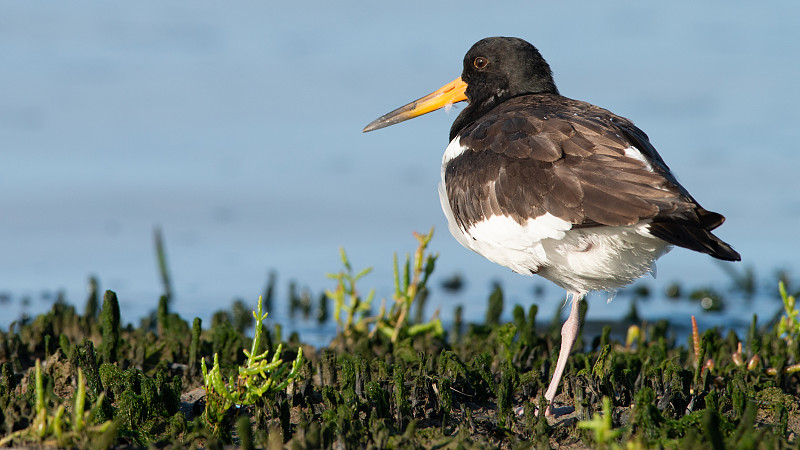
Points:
(470, 114)
(476, 110)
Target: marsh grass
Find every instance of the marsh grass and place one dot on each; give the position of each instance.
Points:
(392, 379)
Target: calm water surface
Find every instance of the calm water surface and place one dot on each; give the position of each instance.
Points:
(238, 131)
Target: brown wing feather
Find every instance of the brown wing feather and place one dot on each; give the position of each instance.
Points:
(543, 153)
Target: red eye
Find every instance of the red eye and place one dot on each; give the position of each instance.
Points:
(480, 62)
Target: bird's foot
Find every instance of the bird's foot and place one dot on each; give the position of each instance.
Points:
(551, 411)
(558, 412)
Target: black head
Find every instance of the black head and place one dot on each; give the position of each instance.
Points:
(499, 68)
(495, 69)
(503, 67)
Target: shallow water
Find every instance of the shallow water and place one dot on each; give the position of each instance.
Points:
(238, 131)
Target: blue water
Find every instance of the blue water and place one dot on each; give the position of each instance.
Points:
(237, 129)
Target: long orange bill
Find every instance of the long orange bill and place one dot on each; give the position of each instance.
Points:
(452, 92)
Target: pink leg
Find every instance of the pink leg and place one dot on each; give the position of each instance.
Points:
(569, 333)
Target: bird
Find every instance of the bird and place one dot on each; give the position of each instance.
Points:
(551, 186)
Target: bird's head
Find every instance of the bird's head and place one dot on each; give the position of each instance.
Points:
(498, 68)
(495, 69)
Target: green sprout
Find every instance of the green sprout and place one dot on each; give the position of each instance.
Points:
(259, 378)
(407, 289)
(67, 432)
(604, 432)
(346, 297)
(789, 325)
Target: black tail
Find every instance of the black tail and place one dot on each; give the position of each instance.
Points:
(696, 236)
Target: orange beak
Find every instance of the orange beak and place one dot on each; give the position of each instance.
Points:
(452, 92)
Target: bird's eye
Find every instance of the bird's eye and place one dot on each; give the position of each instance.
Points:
(480, 62)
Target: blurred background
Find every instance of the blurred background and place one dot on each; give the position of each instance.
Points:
(237, 130)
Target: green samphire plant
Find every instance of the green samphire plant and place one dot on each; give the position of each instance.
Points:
(410, 283)
(59, 428)
(346, 299)
(259, 378)
(789, 325)
(409, 288)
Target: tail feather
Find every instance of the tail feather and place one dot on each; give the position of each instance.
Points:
(709, 219)
(696, 237)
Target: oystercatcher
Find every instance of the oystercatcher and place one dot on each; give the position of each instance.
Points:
(560, 188)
